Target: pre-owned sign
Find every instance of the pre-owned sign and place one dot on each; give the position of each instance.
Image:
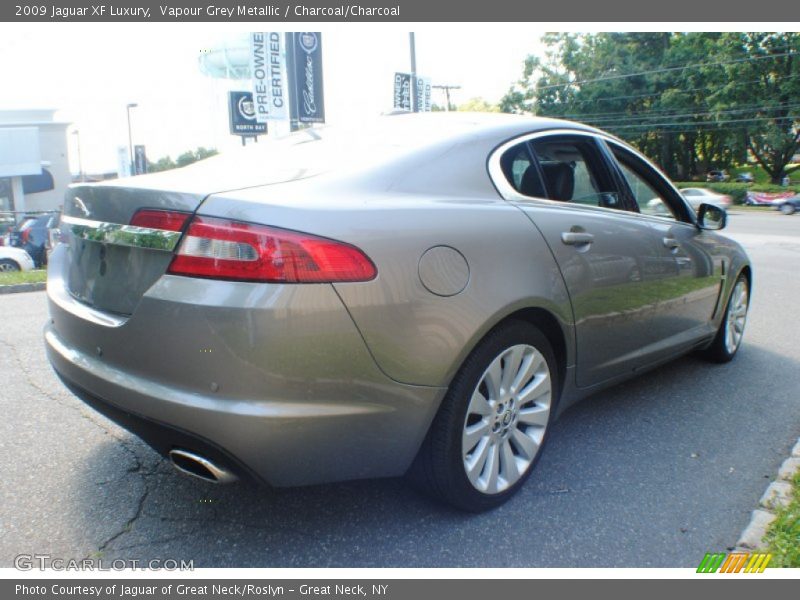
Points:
(423, 94)
(402, 91)
(260, 74)
(268, 69)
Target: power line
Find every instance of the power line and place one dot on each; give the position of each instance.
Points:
(661, 93)
(684, 123)
(667, 70)
(447, 89)
(710, 113)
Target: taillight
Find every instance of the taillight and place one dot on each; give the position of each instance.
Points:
(171, 220)
(24, 236)
(223, 249)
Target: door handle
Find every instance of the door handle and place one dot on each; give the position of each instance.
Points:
(671, 243)
(572, 238)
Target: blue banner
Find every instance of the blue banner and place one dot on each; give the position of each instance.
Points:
(304, 58)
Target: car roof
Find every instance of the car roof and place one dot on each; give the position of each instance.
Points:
(383, 142)
(439, 126)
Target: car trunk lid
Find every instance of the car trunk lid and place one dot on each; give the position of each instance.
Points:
(111, 264)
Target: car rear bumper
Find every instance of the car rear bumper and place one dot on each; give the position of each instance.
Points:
(273, 381)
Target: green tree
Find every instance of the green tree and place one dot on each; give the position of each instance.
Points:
(692, 101)
(166, 163)
(770, 64)
(478, 105)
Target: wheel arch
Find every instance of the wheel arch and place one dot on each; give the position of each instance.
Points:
(557, 332)
(12, 261)
(548, 324)
(747, 271)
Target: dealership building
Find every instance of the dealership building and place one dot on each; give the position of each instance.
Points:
(34, 161)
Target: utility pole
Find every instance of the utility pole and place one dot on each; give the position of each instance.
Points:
(447, 89)
(412, 44)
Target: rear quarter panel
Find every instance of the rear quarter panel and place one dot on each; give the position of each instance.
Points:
(414, 335)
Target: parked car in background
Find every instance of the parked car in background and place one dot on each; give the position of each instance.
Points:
(745, 177)
(14, 259)
(718, 175)
(33, 235)
(422, 294)
(788, 206)
(696, 196)
(766, 198)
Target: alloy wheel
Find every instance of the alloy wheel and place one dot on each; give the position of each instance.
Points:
(737, 316)
(506, 419)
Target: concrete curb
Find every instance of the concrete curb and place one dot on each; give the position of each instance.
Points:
(22, 287)
(777, 494)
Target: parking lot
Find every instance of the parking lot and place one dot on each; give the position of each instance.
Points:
(655, 472)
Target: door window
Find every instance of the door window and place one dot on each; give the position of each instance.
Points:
(649, 201)
(573, 171)
(648, 191)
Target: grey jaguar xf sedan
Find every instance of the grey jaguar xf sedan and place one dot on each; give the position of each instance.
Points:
(421, 295)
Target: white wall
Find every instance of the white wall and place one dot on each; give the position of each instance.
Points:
(53, 145)
(19, 151)
(53, 152)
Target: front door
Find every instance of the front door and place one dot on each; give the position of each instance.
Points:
(608, 257)
(694, 275)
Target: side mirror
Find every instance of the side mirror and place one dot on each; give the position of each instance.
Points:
(711, 217)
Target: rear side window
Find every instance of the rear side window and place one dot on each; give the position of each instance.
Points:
(521, 172)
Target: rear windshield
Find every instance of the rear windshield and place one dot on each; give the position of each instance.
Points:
(317, 150)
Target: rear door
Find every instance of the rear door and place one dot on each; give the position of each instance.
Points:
(608, 257)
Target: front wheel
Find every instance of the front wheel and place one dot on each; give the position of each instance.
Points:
(731, 330)
(7, 265)
(493, 422)
(787, 209)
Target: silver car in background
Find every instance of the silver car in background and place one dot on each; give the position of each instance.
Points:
(420, 295)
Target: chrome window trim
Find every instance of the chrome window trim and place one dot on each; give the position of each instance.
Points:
(117, 234)
(508, 192)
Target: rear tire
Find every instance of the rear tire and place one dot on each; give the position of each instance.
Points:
(7, 266)
(731, 330)
(787, 209)
(492, 425)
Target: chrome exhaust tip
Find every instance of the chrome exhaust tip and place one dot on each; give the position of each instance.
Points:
(198, 466)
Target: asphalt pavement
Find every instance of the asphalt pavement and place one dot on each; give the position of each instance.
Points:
(652, 473)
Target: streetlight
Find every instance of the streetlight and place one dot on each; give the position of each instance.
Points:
(77, 135)
(130, 137)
